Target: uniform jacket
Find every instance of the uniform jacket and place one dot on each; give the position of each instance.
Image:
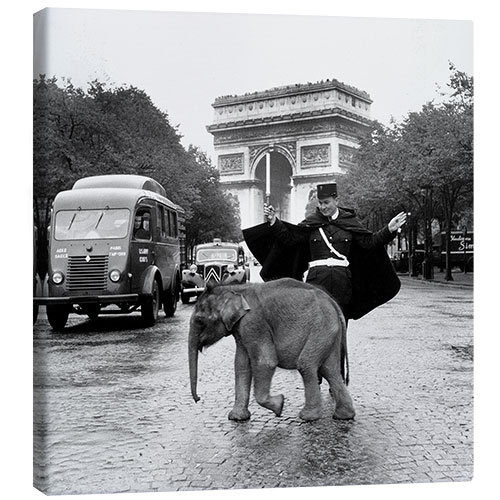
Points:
(374, 280)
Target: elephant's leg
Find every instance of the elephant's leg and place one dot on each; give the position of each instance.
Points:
(262, 387)
(308, 364)
(264, 363)
(312, 406)
(344, 407)
(243, 381)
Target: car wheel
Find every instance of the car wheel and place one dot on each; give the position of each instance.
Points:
(35, 313)
(170, 302)
(185, 298)
(57, 316)
(151, 306)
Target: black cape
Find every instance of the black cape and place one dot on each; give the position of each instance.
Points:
(374, 279)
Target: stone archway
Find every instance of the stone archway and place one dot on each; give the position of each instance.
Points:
(310, 130)
(281, 184)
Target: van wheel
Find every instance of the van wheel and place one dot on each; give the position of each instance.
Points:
(151, 306)
(170, 301)
(57, 316)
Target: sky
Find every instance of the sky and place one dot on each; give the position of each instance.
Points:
(185, 60)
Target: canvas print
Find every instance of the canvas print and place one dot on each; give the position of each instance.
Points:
(253, 251)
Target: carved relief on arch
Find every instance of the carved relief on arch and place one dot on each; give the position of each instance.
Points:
(231, 164)
(315, 155)
(347, 156)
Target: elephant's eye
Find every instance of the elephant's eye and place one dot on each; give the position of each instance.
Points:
(199, 321)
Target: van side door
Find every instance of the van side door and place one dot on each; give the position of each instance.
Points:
(142, 254)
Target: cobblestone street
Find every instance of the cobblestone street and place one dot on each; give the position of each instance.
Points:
(114, 411)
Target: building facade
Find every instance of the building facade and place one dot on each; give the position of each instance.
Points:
(284, 141)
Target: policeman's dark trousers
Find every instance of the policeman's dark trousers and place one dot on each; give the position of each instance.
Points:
(335, 280)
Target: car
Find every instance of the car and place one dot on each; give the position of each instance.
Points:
(219, 262)
(400, 261)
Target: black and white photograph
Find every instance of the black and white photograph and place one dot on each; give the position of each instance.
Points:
(253, 261)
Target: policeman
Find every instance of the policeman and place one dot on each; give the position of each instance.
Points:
(337, 249)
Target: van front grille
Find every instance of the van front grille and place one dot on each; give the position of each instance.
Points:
(87, 273)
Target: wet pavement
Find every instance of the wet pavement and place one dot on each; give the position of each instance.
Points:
(114, 411)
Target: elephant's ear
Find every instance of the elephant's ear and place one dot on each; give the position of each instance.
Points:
(233, 309)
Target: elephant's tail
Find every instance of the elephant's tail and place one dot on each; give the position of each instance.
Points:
(344, 357)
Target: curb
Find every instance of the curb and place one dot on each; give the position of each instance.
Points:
(436, 282)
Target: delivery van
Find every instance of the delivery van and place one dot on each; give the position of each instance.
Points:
(115, 247)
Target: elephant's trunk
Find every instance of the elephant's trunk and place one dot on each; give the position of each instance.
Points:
(193, 365)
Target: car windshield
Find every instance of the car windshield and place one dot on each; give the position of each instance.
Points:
(91, 224)
(209, 254)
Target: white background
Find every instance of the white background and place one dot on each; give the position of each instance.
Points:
(16, 260)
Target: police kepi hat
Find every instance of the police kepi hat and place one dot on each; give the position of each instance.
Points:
(326, 190)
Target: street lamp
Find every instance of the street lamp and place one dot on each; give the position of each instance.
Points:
(427, 267)
(464, 234)
(412, 266)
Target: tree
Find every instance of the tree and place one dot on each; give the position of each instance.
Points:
(213, 214)
(429, 148)
(438, 151)
(79, 133)
(370, 185)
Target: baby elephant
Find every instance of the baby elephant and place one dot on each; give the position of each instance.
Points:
(283, 323)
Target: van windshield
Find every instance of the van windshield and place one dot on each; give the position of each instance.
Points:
(91, 224)
(208, 254)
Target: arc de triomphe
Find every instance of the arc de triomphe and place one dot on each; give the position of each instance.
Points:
(306, 133)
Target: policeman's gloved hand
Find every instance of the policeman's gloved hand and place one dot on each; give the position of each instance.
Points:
(397, 222)
(269, 213)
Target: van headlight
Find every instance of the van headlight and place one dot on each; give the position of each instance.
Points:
(57, 277)
(115, 275)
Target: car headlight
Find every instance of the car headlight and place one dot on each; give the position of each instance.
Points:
(193, 268)
(230, 268)
(57, 277)
(115, 275)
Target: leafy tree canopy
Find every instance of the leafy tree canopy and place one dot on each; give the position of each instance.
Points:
(431, 148)
(423, 165)
(79, 133)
